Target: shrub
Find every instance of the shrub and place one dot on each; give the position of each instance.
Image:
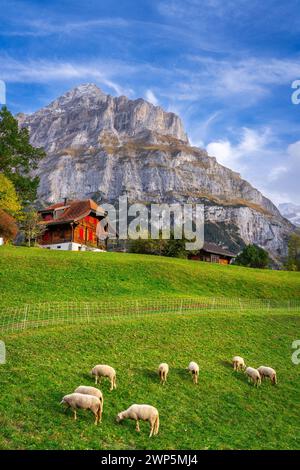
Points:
(253, 256)
(8, 226)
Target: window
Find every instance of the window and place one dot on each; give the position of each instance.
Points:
(90, 232)
(57, 213)
(81, 233)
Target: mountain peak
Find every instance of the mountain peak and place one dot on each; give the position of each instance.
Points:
(86, 88)
(87, 110)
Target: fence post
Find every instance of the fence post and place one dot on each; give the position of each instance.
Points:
(25, 316)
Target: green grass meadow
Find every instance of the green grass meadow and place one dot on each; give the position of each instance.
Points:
(223, 411)
(30, 275)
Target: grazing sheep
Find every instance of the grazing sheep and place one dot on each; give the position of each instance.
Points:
(86, 402)
(102, 370)
(194, 369)
(91, 391)
(143, 412)
(163, 371)
(268, 372)
(253, 375)
(238, 363)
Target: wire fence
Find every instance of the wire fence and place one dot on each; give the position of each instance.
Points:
(13, 319)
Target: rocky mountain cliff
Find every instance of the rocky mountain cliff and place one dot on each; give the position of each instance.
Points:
(101, 146)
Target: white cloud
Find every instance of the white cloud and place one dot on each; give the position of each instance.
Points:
(274, 171)
(294, 150)
(44, 71)
(250, 78)
(237, 157)
(150, 96)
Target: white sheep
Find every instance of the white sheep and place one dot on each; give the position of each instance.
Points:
(163, 370)
(85, 402)
(102, 370)
(253, 375)
(268, 372)
(238, 363)
(91, 391)
(144, 413)
(193, 368)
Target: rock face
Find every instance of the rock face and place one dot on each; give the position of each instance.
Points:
(102, 147)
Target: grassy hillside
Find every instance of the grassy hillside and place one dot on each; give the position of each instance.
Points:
(36, 275)
(222, 412)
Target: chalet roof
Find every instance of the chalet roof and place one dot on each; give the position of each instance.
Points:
(217, 250)
(74, 210)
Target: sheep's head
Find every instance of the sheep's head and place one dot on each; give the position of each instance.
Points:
(119, 417)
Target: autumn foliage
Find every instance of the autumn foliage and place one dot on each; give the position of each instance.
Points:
(8, 226)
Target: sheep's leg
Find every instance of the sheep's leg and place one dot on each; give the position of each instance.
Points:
(115, 382)
(137, 426)
(75, 415)
(96, 380)
(152, 424)
(66, 408)
(100, 413)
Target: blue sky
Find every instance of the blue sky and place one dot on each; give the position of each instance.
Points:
(226, 67)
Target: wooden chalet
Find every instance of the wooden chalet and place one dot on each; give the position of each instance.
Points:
(74, 225)
(213, 253)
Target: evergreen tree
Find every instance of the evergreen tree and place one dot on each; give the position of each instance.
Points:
(293, 263)
(253, 256)
(18, 157)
